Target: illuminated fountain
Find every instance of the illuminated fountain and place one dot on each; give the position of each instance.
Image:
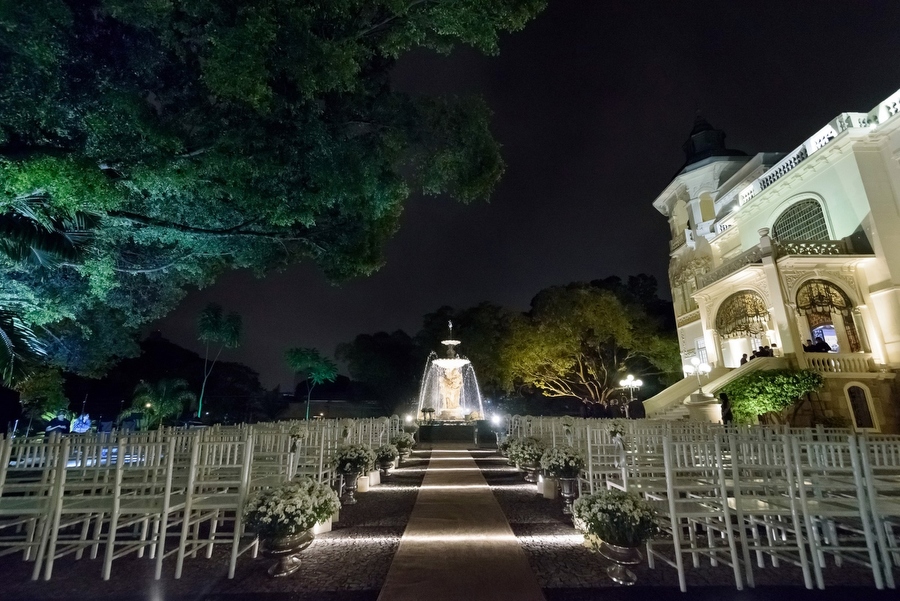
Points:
(449, 386)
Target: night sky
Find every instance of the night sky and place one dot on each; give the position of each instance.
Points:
(592, 103)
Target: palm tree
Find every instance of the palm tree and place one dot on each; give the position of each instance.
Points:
(165, 399)
(216, 328)
(318, 369)
(32, 232)
(17, 344)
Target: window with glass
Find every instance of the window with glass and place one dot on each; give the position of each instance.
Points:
(859, 407)
(804, 220)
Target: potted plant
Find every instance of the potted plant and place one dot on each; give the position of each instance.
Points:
(283, 518)
(615, 523)
(404, 441)
(350, 461)
(385, 456)
(527, 453)
(565, 464)
(505, 445)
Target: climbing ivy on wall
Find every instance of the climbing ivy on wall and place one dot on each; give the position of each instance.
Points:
(769, 392)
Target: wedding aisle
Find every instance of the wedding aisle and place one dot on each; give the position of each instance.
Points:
(458, 543)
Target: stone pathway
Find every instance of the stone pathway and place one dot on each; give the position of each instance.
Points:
(458, 543)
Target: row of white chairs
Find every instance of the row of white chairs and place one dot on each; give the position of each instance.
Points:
(742, 496)
(162, 493)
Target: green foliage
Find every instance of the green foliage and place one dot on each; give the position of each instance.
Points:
(581, 340)
(769, 392)
(212, 135)
(318, 369)
(18, 344)
(163, 400)
(218, 329)
(41, 393)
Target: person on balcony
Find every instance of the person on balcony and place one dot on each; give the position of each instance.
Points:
(821, 346)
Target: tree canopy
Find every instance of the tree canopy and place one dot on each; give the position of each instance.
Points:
(204, 135)
(580, 340)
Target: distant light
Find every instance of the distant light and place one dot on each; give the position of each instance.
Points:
(148, 405)
(408, 418)
(496, 420)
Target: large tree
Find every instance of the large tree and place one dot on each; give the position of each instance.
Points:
(581, 340)
(209, 134)
(389, 365)
(317, 368)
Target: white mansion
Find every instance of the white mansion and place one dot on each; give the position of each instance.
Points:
(780, 249)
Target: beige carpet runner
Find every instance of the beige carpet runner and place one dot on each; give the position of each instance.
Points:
(458, 544)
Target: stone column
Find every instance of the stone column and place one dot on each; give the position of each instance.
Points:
(840, 330)
(776, 293)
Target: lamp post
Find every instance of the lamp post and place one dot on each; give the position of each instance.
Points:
(631, 384)
(697, 368)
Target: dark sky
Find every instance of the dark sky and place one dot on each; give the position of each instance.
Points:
(592, 102)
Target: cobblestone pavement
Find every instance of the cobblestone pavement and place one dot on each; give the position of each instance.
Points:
(351, 562)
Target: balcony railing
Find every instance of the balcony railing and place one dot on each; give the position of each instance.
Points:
(838, 363)
(749, 257)
(677, 241)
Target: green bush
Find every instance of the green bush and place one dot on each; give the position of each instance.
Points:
(769, 392)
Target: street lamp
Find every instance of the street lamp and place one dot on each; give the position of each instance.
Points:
(631, 384)
(697, 368)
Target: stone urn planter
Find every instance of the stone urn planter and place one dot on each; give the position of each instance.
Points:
(385, 466)
(284, 549)
(531, 470)
(350, 482)
(620, 557)
(568, 489)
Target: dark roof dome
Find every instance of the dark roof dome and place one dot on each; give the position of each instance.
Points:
(704, 142)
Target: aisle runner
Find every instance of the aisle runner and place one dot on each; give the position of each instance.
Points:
(458, 544)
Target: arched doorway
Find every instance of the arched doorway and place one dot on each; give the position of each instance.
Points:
(827, 313)
(742, 323)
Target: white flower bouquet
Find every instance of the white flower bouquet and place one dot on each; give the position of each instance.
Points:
(526, 451)
(299, 432)
(616, 427)
(506, 444)
(404, 441)
(386, 452)
(562, 462)
(292, 508)
(354, 458)
(616, 517)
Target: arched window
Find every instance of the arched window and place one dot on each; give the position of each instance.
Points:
(820, 301)
(742, 314)
(803, 220)
(860, 408)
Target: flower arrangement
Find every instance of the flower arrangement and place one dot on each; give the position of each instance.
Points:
(526, 451)
(616, 517)
(299, 432)
(404, 441)
(506, 444)
(292, 508)
(354, 458)
(616, 427)
(562, 462)
(386, 452)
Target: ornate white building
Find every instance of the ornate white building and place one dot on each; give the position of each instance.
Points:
(777, 249)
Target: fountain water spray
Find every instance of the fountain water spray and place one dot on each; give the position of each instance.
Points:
(449, 385)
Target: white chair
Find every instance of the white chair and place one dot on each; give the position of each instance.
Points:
(217, 489)
(695, 501)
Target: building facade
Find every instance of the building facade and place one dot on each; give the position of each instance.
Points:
(782, 250)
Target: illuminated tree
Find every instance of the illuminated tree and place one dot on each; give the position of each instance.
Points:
(580, 341)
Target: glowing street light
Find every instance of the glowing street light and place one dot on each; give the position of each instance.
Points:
(631, 384)
(697, 368)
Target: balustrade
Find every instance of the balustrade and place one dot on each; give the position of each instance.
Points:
(835, 363)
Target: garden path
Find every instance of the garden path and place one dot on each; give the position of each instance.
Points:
(458, 543)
